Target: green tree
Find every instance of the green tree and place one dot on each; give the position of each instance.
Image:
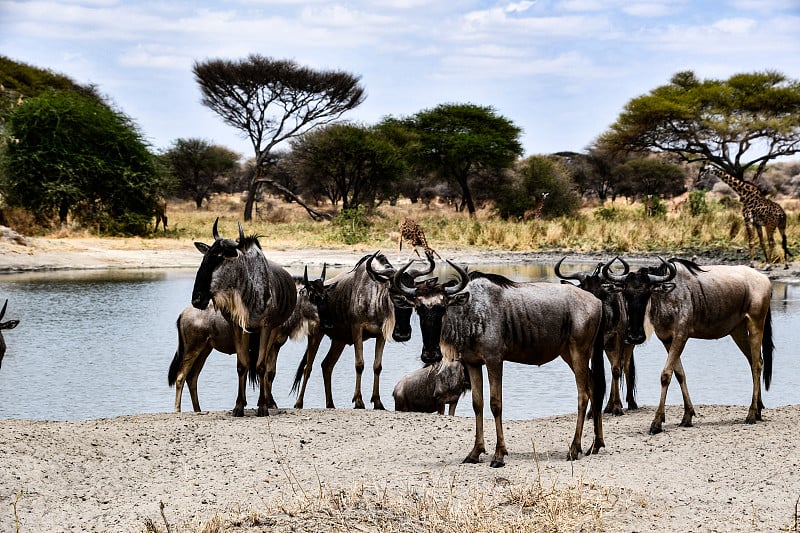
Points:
(197, 165)
(461, 142)
(640, 178)
(533, 177)
(739, 124)
(348, 163)
(72, 155)
(272, 101)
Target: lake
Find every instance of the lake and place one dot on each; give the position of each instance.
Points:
(97, 344)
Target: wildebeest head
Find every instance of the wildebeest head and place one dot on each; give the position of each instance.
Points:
(10, 324)
(637, 288)
(214, 256)
(402, 312)
(431, 300)
(316, 291)
(594, 283)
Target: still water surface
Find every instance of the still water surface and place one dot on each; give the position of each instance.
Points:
(99, 344)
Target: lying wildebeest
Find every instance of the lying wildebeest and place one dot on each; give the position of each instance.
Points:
(681, 300)
(428, 389)
(619, 352)
(487, 319)
(355, 306)
(200, 331)
(252, 293)
(10, 324)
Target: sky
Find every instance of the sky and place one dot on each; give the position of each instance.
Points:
(562, 71)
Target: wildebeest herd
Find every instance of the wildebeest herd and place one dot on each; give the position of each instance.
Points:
(243, 303)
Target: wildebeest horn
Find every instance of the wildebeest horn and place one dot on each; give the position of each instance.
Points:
(214, 231)
(397, 282)
(616, 278)
(672, 271)
(449, 291)
(579, 276)
(424, 272)
(324, 269)
(387, 272)
(241, 232)
(3, 312)
(305, 276)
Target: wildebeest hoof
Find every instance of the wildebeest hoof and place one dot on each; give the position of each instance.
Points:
(379, 407)
(497, 464)
(469, 461)
(262, 411)
(686, 424)
(237, 412)
(655, 429)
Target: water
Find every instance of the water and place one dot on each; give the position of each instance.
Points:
(99, 344)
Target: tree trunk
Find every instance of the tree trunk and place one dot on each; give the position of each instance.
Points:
(313, 213)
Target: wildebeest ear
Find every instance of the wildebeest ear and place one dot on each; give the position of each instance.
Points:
(402, 301)
(203, 247)
(664, 287)
(11, 324)
(458, 299)
(612, 287)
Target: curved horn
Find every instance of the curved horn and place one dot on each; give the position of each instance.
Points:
(387, 272)
(397, 282)
(324, 269)
(305, 276)
(616, 278)
(672, 271)
(214, 231)
(579, 276)
(241, 232)
(3, 312)
(450, 291)
(424, 272)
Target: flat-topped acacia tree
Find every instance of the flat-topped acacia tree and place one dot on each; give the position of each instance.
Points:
(273, 100)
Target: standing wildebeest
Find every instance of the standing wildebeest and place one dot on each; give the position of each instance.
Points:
(10, 324)
(499, 320)
(252, 293)
(428, 389)
(619, 352)
(355, 306)
(200, 331)
(682, 301)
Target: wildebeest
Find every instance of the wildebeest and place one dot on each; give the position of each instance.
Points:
(200, 331)
(428, 389)
(355, 306)
(619, 352)
(487, 319)
(252, 293)
(161, 212)
(681, 300)
(9, 324)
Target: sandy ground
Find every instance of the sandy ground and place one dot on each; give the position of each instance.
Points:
(113, 474)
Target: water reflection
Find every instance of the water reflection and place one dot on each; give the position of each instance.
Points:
(95, 344)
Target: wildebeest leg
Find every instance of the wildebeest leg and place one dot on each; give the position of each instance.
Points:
(377, 366)
(267, 361)
(241, 341)
(494, 372)
(629, 366)
(750, 343)
(688, 408)
(476, 383)
(312, 347)
(191, 378)
(583, 386)
(674, 348)
(328, 363)
(614, 355)
(358, 347)
(451, 408)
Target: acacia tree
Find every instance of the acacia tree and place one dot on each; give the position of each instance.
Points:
(197, 164)
(460, 142)
(739, 124)
(272, 101)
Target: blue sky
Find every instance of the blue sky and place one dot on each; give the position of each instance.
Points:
(560, 70)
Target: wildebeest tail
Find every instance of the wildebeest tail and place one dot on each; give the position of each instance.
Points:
(632, 381)
(252, 350)
(298, 376)
(598, 369)
(177, 360)
(767, 348)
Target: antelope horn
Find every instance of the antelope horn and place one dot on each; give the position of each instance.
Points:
(397, 282)
(672, 271)
(579, 276)
(3, 312)
(214, 231)
(431, 265)
(462, 283)
(388, 271)
(616, 278)
(241, 232)
(324, 269)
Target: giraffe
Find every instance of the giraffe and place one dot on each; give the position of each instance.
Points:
(412, 233)
(757, 211)
(536, 211)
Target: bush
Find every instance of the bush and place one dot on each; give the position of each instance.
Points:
(352, 225)
(697, 203)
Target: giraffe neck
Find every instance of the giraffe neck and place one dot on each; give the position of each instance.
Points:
(746, 191)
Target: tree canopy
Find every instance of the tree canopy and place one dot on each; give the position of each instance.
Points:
(459, 142)
(739, 124)
(72, 155)
(272, 100)
(197, 165)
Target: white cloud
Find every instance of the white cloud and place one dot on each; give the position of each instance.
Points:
(735, 25)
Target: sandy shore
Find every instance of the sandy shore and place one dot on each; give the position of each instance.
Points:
(343, 470)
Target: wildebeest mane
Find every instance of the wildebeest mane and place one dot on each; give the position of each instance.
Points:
(497, 279)
(251, 240)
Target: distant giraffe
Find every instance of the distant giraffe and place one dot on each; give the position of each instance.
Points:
(412, 233)
(757, 211)
(536, 211)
